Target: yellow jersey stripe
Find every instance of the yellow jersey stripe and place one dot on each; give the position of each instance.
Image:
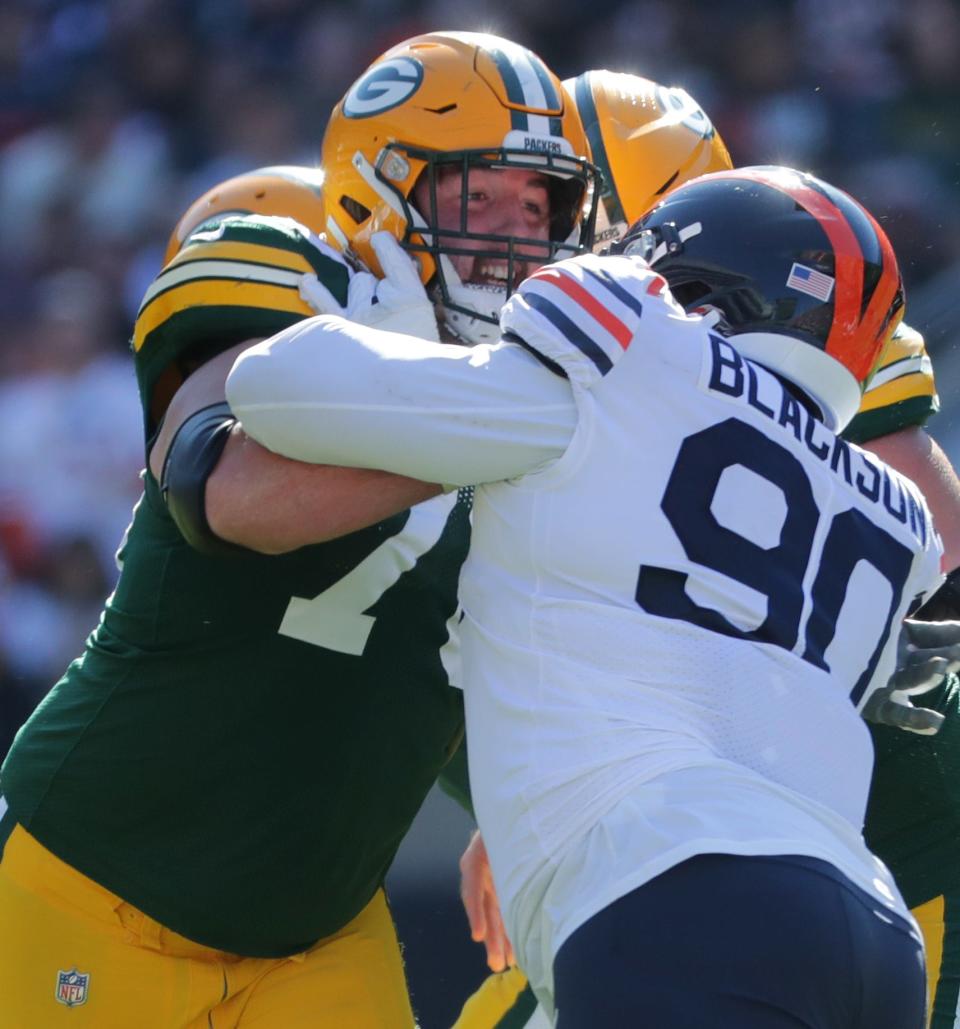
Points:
(905, 373)
(900, 378)
(217, 293)
(908, 387)
(228, 271)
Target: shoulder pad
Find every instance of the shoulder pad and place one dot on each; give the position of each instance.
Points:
(904, 371)
(902, 391)
(583, 313)
(235, 278)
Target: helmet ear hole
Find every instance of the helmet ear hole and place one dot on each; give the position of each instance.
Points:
(688, 293)
(357, 211)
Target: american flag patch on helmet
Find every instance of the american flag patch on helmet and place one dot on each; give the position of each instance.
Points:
(810, 281)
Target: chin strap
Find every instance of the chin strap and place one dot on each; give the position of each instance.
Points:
(469, 328)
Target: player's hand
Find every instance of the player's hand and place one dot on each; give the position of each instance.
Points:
(397, 303)
(483, 909)
(927, 652)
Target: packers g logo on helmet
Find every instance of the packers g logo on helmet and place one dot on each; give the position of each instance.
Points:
(382, 87)
(444, 105)
(678, 104)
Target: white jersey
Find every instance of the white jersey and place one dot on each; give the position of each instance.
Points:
(669, 626)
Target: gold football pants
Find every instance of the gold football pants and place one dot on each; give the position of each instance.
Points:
(74, 954)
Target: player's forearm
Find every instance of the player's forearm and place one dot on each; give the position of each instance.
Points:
(274, 505)
(917, 455)
(332, 392)
(268, 503)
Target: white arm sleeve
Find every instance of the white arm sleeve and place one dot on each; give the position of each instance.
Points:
(329, 391)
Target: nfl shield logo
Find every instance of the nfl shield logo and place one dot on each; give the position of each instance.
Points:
(72, 987)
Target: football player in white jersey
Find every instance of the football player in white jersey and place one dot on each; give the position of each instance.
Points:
(647, 139)
(682, 589)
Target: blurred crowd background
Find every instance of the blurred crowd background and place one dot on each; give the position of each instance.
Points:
(115, 115)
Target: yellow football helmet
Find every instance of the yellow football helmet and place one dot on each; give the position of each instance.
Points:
(282, 191)
(455, 100)
(646, 139)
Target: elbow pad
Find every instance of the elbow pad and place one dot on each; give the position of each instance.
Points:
(192, 456)
(944, 605)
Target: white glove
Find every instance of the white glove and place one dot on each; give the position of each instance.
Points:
(927, 652)
(397, 303)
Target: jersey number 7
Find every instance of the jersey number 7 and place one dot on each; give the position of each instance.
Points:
(337, 618)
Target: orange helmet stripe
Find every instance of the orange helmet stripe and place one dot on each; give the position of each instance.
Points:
(886, 289)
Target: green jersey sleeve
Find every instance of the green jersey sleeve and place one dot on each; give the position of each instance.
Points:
(234, 279)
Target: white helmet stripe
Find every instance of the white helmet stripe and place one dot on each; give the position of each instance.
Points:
(530, 84)
(538, 125)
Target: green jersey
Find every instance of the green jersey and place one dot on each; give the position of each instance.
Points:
(244, 741)
(902, 392)
(913, 814)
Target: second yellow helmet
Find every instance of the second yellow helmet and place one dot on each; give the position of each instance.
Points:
(282, 190)
(646, 139)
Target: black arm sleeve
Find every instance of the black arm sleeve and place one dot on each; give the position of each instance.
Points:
(192, 456)
(944, 605)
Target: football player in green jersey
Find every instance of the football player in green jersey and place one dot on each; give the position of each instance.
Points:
(197, 820)
(179, 805)
(913, 819)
